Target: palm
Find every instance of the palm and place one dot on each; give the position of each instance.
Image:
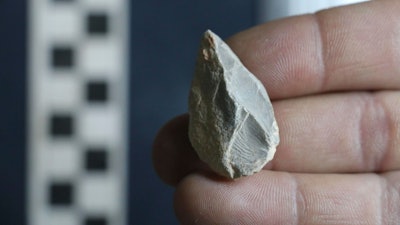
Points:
(333, 79)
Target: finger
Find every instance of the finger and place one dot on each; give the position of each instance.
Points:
(347, 132)
(336, 133)
(173, 155)
(298, 75)
(282, 198)
(354, 47)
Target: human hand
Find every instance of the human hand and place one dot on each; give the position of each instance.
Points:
(334, 79)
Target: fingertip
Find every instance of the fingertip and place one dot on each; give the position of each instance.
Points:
(173, 155)
(206, 198)
(198, 199)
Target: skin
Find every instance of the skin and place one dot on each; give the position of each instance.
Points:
(334, 79)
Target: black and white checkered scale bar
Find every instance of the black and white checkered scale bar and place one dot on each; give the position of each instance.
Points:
(78, 88)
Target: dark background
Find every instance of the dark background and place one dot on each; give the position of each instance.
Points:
(165, 37)
(164, 40)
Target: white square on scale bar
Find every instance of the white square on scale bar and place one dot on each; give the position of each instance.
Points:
(101, 125)
(100, 194)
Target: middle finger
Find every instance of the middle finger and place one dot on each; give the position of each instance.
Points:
(342, 132)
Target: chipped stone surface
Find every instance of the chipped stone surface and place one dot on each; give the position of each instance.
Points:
(232, 124)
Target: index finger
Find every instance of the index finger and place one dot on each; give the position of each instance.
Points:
(342, 49)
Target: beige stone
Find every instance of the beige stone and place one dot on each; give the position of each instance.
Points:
(232, 124)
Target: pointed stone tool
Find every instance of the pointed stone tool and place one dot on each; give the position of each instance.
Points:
(232, 126)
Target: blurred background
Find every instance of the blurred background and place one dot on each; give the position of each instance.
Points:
(163, 42)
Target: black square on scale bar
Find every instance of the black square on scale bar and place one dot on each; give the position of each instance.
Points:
(61, 194)
(66, 1)
(62, 57)
(97, 24)
(96, 159)
(95, 220)
(61, 125)
(97, 91)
